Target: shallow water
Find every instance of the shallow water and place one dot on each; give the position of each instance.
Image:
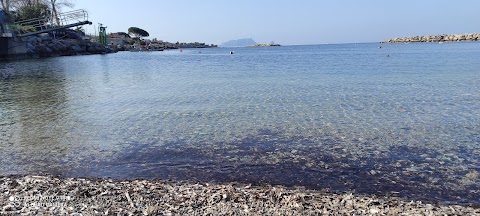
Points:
(403, 119)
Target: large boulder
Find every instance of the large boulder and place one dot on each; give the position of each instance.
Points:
(470, 37)
(77, 49)
(69, 42)
(43, 51)
(91, 49)
(40, 48)
(72, 34)
(32, 40)
(57, 46)
(30, 48)
(45, 37)
(95, 48)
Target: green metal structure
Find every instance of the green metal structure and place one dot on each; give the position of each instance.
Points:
(102, 34)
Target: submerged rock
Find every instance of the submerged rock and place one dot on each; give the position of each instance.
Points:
(472, 175)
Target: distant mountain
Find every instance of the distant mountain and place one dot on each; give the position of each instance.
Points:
(239, 43)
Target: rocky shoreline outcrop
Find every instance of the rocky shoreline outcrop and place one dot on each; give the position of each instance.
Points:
(44, 45)
(437, 38)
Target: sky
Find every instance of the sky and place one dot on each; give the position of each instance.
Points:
(287, 22)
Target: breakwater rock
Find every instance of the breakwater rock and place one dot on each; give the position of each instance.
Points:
(437, 38)
(47, 46)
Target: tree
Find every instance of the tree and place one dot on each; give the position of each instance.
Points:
(13, 5)
(56, 5)
(6, 5)
(23, 6)
(137, 32)
(31, 11)
(124, 34)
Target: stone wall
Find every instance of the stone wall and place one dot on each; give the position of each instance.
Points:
(437, 38)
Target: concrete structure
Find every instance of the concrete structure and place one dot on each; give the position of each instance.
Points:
(12, 48)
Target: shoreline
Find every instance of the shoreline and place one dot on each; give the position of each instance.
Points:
(54, 195)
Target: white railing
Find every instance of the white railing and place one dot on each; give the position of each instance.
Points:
(49, 22)
(35, 23)
(75, 16)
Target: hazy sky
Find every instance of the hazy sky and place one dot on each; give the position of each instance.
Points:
(285, 21)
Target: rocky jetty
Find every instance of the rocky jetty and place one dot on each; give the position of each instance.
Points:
(44, 45)
(437, 38)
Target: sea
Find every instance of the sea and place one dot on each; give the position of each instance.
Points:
(386, 119)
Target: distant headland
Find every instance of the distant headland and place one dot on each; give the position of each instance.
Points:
(437, 38)
(246, 42)
(264, 45)
(238, 43)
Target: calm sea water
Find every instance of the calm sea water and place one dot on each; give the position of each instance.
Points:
(403, 119)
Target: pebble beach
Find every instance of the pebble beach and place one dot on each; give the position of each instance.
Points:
(48, 195)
